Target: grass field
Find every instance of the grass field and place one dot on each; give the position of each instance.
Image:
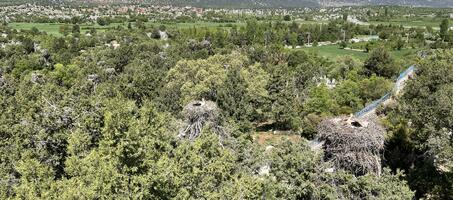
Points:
(53, 28)
(50, 28)
(334, 52)
(197, 24)
(413, 22)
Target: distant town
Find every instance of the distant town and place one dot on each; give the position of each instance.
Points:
(29, 12)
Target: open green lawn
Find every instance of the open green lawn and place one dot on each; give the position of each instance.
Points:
(413, 22)
(334, 52)
(50, 28)
(403, 53)
(53, 28)
(208, 25)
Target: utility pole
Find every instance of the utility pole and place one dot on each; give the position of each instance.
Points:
(309, 34)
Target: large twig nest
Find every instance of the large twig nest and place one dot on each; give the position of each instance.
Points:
(199, 114)
(201, 110)
(353, 144)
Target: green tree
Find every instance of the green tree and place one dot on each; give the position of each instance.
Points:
(285, 104)
(381, 63)
(36, 179)
(425, 141)
(102, 21)
(204, 78)
(384, 35)
(347, 95)
(287, 18)
(345, 16)
(29, 45)
(399, 44)
(34, 31)
(444, 27)
(343, 44)
(374, 88)
(321, 102)
(75, 29)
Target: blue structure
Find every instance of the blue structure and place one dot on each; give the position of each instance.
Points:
(398, 86)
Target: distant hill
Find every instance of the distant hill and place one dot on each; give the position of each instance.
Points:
(267, 3)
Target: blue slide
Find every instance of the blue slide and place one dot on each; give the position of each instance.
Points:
(399, 84)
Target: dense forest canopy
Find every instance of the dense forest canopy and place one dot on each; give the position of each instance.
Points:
(159, 110)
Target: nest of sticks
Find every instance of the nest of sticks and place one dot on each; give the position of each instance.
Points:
(200, 114)
(352, 144)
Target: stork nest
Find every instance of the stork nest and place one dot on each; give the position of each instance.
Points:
(352, 144)
(200, 114)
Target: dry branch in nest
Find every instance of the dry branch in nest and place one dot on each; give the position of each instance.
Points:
(352, 144)
(200, 114)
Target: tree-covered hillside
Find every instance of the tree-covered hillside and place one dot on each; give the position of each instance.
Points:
(80, 119)
(132, 109)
